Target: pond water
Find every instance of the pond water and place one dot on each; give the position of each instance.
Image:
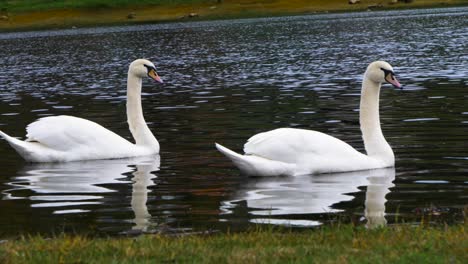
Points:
(225, 81)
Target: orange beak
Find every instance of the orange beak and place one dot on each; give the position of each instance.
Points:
(390, 78)
(154, 75)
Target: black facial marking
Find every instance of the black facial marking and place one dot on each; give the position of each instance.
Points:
(149, 67)
(387, 72)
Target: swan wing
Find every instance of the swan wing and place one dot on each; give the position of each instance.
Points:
(291, 145)
(65, 133)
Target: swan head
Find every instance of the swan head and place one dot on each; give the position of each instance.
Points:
(142, 68)
(380, 72)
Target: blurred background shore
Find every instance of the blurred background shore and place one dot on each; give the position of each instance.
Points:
(44, 14)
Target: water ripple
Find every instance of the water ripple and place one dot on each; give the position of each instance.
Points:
(225, 81)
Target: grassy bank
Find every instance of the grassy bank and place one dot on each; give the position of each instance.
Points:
(342, 244)
(33, 14)
(44, 5)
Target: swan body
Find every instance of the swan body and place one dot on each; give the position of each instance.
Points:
(289, 151)
(67, 138)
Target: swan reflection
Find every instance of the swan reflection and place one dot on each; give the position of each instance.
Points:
(70, 187)
(273, 200)
(142, 179)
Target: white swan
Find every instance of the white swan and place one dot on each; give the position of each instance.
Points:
(289, 151)
(67, 138)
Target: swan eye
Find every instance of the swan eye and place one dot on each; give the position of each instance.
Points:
(388, 73)
(149, 68)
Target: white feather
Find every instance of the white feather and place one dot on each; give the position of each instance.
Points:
(289, 151)
(68, 138)
(71, 132)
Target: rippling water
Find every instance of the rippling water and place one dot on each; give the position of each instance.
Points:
(225, 81)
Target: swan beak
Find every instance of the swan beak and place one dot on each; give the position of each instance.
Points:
(154, 75)
(390, 78)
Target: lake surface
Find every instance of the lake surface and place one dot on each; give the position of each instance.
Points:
(225, 81)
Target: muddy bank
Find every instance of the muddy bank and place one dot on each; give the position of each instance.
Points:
(85, 17)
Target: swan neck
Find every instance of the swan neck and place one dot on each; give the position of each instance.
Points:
(369, 118)
(136, 122)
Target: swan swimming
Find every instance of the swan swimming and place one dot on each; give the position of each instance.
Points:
(290, 151)
(67, 138)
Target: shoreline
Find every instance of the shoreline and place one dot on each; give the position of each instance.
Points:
(200, 11)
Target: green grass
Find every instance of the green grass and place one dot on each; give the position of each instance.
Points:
(42, 5)
(339, 244)
(38, 5)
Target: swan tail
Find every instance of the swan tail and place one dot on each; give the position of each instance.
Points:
(3, 135)
(256, 166)
(20, 146)
(11, 140)
(233, 156)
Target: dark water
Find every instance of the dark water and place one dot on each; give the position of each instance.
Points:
(225, 81)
